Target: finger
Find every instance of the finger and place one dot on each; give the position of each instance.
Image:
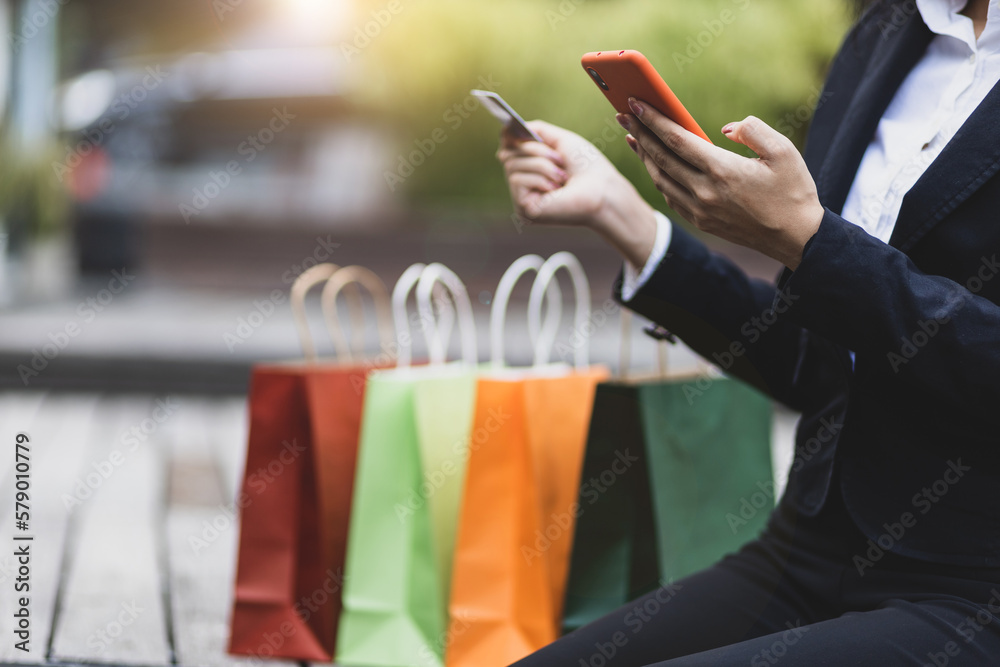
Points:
(675, 194)
(549, 133)
(759, 137)
(511, 139)
(683, 212)
(536, 165)
(531, 149)
(691, 148)
(523, 183)
(666, 159)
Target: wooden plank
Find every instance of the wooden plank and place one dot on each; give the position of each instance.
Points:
(17, 414)
(201, 585)
(202, 529)
(58, 434)
(228, 425)
(112, 600)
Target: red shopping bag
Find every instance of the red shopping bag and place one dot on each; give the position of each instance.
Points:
(296, 495)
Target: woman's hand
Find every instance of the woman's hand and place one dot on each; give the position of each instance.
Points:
(567, 181)
(768, 203)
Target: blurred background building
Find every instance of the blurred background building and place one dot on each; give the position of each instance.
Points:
(216, 148)
(168, 167)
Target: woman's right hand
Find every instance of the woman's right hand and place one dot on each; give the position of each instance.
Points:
(567, 181)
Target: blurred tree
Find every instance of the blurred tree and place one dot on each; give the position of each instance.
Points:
(725, 59)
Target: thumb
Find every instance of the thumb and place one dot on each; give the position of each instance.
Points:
(550, 134)
(758, 136)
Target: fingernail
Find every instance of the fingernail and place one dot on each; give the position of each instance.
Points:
(729, 128)
(556, 157)
(623, 120)
(634, 105)
(632, 143)
(562, 175)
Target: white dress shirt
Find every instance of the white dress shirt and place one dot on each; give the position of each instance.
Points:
(935, 99)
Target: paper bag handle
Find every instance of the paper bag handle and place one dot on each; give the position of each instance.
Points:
(625, 352)
(297, 299)
(400, 293)
(437, 349)
(581, 318)
(498, 309)
(356, 275)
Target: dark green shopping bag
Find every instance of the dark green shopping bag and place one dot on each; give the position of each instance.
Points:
(668, 467)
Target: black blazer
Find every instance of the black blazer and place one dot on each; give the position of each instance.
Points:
(913, 434)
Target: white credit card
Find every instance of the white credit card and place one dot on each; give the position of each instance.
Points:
(505, 114)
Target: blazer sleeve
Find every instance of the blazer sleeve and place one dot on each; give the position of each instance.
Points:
(736, 322)
(928, 330)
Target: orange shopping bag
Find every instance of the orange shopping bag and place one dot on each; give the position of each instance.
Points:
(296, 495)
(520, 503)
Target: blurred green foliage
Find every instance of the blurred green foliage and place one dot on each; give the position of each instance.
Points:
(725, 59)
(33, 203)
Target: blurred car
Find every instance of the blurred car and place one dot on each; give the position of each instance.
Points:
(256, 137)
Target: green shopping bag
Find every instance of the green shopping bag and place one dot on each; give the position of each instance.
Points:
(408, 485)
(669, 464)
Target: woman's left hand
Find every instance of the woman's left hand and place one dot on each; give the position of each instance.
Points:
(769, 204)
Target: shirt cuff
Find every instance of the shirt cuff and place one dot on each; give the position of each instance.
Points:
(633, 278)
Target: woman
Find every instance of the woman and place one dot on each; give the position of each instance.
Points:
(885, 548)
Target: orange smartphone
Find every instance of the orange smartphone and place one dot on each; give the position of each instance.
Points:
(624, 74)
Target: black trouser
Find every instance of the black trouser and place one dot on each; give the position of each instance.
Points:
(796, 596)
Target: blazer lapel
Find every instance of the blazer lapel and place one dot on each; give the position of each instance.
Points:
(970, 159)
(891, 62)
